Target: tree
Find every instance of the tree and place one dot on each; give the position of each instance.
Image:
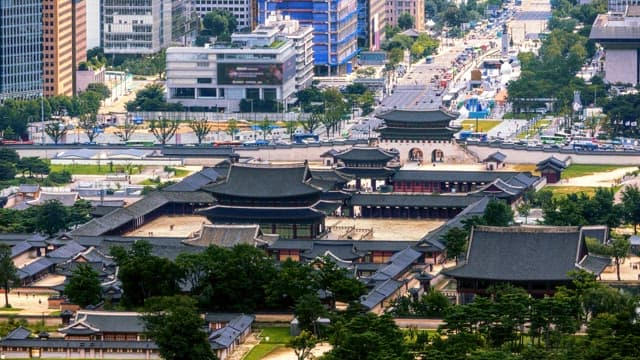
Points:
(100, 89)
(292, 281)
(303, 344)
(201, 128)
(163, 129)
(144, 276)
(218, 23)
(498, 213)
(405, 21)
(89, 124)
(455, 241)
(9, 155)
(335, 281)
(7, 170)
(619, 250)
(32, 165)
(523, 210)
(291, 127)
(174, 325)
(631, 206)
(307, 310)
(367, 337)
(126, 132)
(51, 217)
(265, 126)
(8, 272)
(232, 128)
(312, 122)
(56, 131)
(84, 286)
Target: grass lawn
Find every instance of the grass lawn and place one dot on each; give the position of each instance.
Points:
(559, 191)
(483, 125)
(180, 173)
(278, 337)
(535, 129)
(524, 168)
(10, 309)
(576, 170)
(149, 182)
(103, 169)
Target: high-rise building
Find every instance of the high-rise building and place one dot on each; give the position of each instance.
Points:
(94, 27)
(334, 25)
(79, 36)
(243, 10)
(57, 38)
(371, 23)
(136, 26)
(20, 49)
(415, 8)
(302, 37)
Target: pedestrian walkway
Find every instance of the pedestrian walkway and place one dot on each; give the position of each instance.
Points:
(507, 128)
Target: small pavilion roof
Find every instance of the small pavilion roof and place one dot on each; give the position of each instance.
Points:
(496, 156)
(402, 115)
(366, 153)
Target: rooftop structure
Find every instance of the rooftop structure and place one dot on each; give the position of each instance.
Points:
(619, 34)
(260, 65)
(538, 258)
(416, 125)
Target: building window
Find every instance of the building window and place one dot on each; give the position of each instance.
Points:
(253, 94)
(204, 80)
(183, 93)
(270, 94)
(207, 92)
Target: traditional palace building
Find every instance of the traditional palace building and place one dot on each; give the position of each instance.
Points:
(282, 199)
(422, 136)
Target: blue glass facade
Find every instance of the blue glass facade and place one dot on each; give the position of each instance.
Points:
(20, 49)
(334, 29)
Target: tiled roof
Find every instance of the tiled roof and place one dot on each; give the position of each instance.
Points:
(149, 203)
(256, 181)
(19, 333)
(412, 200)
(226, 235)
(381, 293)
(250, 214)
(451, 176)
(108, 321)
(496, 156)
(521, 253)
(28, 188)
(79, 344)
(475, 209)
(35, 267)
(417, 115)
(67, 251)
(365, 153)
(20, 248)
(551, 162)
(196, 180)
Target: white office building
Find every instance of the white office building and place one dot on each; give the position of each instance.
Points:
(136, 26)
(302, 37)
(243, 10)
(258, 65)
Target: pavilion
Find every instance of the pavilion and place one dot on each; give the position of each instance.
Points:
(281, 199)
(536, 258)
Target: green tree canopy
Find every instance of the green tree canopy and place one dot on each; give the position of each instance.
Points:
(174, 324)
(84, 286)
(8, 272)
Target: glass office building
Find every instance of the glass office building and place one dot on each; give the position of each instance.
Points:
(20, 49)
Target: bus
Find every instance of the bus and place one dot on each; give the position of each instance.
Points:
(585, 146)
(145, 143)
(553, 139)
(468, 135)
(304, 138)
(227, 143)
